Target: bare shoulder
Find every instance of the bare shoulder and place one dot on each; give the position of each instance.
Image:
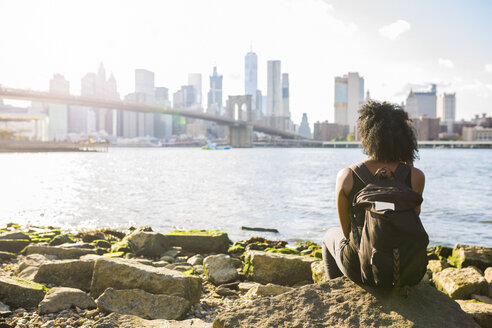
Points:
(345, 180)
(418, 174)
(418, 180)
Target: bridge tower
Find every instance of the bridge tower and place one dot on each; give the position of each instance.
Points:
(240, 135)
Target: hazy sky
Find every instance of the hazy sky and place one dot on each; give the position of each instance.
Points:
(395, 45)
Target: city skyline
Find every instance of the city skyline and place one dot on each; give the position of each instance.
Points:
(396, 46)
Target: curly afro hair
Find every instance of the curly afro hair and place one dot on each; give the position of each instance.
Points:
(387, 132)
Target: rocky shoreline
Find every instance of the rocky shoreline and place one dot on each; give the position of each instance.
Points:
(141, 278)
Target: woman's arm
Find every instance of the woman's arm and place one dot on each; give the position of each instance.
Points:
(418, 182)
(342, 190)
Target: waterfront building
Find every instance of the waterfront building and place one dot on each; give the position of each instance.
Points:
(184, 97)
(427, 128)
(274, 89)
(145, 93)
(215, 93)
(163, 124)
(251, 77)
(477, 133)
(446, 110)
(325, 131)
(349, 96)
(195, 80)
(58, 113)
(304, 129)
(422, 103)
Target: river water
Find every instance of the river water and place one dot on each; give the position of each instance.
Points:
(291, 190)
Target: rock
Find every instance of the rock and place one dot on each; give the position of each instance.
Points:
(342, 303)
(13, 245)
(195, 260)
(35, 260)
(148, 278)
(15, 235)
(219, 269)
(116, 320)
(61, 252)
(101, 243)
(224, 291)
(276, 268)
(18, 292)
(267, 290)
(151, 244)
(173, 252)
(63, 298)
(481, 298)
(198, 269)
(437, 265)
(181, 267)
(245, 286)
(60, 240)
(460, 283)
(124, 246)
(140, 303)
(488, 275)
(90, 236)
(481, 312)
(160, 264)
(4, 310)
(7, 256)
(200, 241)
(67, 273)
(466, 255)
(318, 270)
(28, 273)
(168, 259)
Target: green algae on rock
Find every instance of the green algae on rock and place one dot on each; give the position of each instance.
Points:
(200, 241)
(19, 292)
(467, 255)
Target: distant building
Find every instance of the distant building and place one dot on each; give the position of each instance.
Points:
(145, 93)
(58, 113)
(163, 124)
(477, 133)
(215, 93)
(285, 96)
(274, 89)
(325, 131)
(349, 96)
(184, 97)
(427, 128)
(195, 80)
(446, 110)
(304, 129)
(422, 103)
(251, 77)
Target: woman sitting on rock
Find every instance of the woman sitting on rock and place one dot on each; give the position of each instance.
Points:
(389, 141)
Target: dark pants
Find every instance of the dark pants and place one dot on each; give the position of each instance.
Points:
(334, 243)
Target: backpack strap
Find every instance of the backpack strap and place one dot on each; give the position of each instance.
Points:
(402, 171)
(363, 173)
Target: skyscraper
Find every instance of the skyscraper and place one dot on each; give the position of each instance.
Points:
(145, 93)
(422, 103)
(304, 129)
(446, 109)
(285, 95)
(57, 113)
(215, 93)
(163, 124)
(195, 80)
(274, 89)
(251, 77)
(349, 96)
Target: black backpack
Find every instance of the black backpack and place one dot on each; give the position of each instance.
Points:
(392, 244)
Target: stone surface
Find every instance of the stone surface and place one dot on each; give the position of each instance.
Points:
(67, 273)
(62, 298)
(200, 241)
(116, 320)
(276, 268)
(467, 255)
(488, 275)
(15, 235)
(318, 270)
(481, 312)
(18, 292)
(35, 260)
(224, 291)
(140, 303)
(28, 273)
(60, 240)
(7, 256)
(219, 269)
(342, 303)
(125, 274)
(61, 252)
(481, 298)
(151, 244)
(195, 260)
(435, 266)
(460, 283)
(245, 286)
(13, 245)
(267, 290)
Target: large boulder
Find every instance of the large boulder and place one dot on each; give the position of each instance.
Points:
(67, 273)
(200, 241)
(488, 275)
(18, 292)
(342, 303)
(63, 298)
(435, 266)
(467, 255)
(276, 268)
(116, 320)
(150, 244)
(318, 270)
(145, 305)
(460, 283)
(63, 253)
(6, 256)
(126, 274)
(13, 245)
(481, 312)
(15, 235)
(219, 269)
